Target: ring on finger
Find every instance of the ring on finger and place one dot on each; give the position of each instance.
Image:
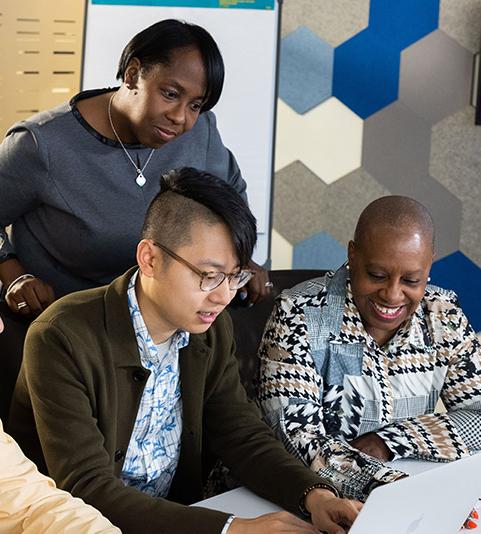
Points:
(22, 305)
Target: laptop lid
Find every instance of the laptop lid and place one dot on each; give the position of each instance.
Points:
(433, 502)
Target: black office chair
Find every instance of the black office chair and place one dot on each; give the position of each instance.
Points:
(249, 323)
(11, 349)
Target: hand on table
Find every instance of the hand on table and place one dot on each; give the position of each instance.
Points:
(29, 296)
(271, 524)
(330, 513)
(373, 445)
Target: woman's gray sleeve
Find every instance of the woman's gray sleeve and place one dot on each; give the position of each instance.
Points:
(22, 171)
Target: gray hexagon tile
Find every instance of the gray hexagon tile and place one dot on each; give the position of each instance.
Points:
(335, 21)
(396, 147)
(439, 202)
(344, 201)
(461, 19)
(304, 205)
(298, 198)
(470, 242)
(456, 163)
(456, 153)
(435, 78)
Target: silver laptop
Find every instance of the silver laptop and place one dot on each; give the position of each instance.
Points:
(433, 502)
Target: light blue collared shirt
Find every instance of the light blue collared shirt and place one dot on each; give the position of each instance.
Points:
(154, 447)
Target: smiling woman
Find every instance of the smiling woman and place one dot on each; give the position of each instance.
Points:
(76, 180)
(388, 275)
(353, 364)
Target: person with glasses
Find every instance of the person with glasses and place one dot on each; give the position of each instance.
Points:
(134, 388)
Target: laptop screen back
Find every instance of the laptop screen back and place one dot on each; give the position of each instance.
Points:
(433, 502)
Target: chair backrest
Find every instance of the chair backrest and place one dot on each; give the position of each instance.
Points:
(249, 323)
(11, 349)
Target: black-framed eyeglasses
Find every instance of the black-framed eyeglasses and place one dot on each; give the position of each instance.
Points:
(209, 280)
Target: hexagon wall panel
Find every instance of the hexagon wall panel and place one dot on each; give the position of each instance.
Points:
(335, 20)
(328, 139)
(446, 273)
(301, 197)
(366, 73)
(396, 149)
(456, 162)
(320, 251)
(435, 77)
(344, 200)
(389, 136)
(284, 251)
(305, 77)
(461, 20)
(403, 22)
(298, 198)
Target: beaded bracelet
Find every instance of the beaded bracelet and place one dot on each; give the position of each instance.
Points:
(319, 485)
(19, 279)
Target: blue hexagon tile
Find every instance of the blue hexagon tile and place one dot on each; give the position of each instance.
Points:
(366, 67)
(306, 66)
(320, 251)
(403, 22)
(459, 273)
(366, 73)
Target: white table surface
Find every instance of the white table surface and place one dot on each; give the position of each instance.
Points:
(241, 502)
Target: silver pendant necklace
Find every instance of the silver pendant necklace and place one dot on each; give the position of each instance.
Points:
(140, 179)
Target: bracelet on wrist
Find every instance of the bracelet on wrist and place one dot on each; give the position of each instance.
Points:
(228, 524)
(18, 279)
(319, 485)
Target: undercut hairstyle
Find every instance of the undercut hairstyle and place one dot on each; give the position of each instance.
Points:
(397, 212)
(155, 45)
(189, 196)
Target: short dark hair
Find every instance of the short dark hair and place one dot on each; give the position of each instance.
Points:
(188, 196)
(156, 43)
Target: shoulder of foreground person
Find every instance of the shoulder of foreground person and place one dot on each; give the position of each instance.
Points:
(31, 503)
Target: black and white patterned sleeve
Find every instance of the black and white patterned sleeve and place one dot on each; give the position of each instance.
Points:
(289, 391)
(462, 388)
(454, 434)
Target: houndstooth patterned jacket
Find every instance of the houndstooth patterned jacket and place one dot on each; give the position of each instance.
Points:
(324, 381)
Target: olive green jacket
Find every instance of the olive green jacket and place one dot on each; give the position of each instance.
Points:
(81, 382)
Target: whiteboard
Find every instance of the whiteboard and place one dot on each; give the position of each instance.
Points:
(247, 39)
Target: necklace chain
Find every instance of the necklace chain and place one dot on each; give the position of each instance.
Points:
(140, 179)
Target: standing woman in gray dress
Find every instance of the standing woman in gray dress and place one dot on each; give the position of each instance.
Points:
(75, 181)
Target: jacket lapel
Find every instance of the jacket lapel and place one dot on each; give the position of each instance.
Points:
(131, 376)
(194, 364)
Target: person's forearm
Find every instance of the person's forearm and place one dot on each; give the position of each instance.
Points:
(431, 436)
(10, 270)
